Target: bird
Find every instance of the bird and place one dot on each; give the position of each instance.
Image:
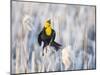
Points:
(47, 36)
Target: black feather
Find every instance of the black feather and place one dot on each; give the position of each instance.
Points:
(56, 45)
(39, 39)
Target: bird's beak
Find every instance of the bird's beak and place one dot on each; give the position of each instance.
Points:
(49, 21)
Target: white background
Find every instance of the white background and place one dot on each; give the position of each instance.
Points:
(5, 37)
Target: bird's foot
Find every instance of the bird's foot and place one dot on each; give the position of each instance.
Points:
(46, 49)
(42, 53)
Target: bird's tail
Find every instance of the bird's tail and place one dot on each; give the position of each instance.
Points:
(56, 45)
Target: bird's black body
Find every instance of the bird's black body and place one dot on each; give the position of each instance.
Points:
(48, 40)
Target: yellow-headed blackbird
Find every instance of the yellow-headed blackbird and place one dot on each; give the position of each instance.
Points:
(47, 36)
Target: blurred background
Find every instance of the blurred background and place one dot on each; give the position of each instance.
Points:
(75, 31)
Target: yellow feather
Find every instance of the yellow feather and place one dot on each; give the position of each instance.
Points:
(48, 28)
(46, 25)
(48, 31)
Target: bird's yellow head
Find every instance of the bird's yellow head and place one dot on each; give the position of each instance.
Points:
(47, 23)
(48, 28)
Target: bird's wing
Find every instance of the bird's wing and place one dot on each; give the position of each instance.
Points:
(53, 36)
(39, 38)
